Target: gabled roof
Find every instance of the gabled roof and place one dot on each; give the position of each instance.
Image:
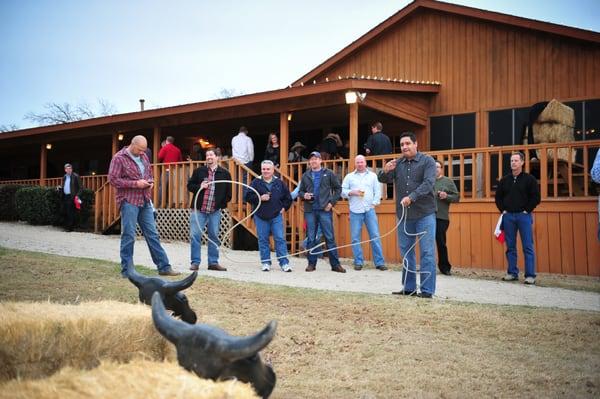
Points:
(491, 16)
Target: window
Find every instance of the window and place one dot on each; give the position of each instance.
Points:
(452, 131)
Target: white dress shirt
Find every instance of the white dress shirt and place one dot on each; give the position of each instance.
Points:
(242, 148)
(367, 182)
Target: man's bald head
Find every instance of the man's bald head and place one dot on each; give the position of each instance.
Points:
(138, 145)
(360, 162)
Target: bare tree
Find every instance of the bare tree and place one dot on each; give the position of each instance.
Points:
(56, 113)
(228, 93)
(8, 128)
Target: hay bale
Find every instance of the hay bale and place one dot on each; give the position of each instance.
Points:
(554, 133)
(138, 379)
(37, 339)
(557, 112)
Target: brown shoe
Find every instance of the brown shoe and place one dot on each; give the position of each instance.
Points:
(217, 267)
(194, 266)
(338, 268)
(168, 272)
(310, 268)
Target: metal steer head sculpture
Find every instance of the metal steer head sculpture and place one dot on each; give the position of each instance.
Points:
(212, 353)
(174, 300)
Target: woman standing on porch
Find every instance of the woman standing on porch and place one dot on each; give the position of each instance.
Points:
(272, 150)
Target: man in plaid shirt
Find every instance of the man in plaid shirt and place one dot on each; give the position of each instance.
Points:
(208, 203)
(131, 175)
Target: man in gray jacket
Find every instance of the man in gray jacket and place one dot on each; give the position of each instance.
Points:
(320, 189)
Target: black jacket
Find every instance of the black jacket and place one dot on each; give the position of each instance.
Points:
(379, 144)
(75, 184)
(222, 190)
(517, 194)
(330, 189)
(280, 198)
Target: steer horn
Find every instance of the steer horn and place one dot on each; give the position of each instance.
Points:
(232, 348)
(172, 287)
(136, 278)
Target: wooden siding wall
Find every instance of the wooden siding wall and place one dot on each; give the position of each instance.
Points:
(480, 65)
(565, 236)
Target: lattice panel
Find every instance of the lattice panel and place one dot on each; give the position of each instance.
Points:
(174, 224)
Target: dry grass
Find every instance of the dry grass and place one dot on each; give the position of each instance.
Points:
(113, 380)
(339, 345)
(39, 338)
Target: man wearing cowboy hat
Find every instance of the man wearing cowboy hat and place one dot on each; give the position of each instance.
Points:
(296, 152)
(329, 146)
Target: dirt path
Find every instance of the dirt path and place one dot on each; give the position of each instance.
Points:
(244, 266)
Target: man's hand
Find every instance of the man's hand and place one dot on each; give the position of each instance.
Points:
(354, 192)
(328, 207)
(442, 194)
(406, 201)
(308, 196)
(265, 197)
(389, 166)
(142, 183)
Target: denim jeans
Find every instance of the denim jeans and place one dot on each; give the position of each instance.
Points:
(318, 237)
(325, 221)
(369, 218)
(144, 216)
(266, 227)
(199, 220)
(522, 222)
(426, 251)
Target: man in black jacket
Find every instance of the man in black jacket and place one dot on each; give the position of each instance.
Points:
(71, 187)
(320, 189)
(378, 142)
(275, 199)
(206, 209)
(516, 197)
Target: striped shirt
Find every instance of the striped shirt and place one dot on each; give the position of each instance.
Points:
(123, 175)
(209, 204)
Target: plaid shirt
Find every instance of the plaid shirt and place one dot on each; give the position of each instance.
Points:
(123, 174)
(208, 204)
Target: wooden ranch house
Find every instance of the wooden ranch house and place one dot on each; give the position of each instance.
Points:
(463, 79)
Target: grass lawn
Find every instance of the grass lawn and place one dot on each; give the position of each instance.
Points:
(344, 345)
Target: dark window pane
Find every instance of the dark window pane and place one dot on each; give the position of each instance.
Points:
(441, 133)
(592, 120)
(500, 127)
(521, 121)
(578, 107)
(464, 131)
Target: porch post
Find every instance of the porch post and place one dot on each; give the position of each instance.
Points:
(43, 162)
(353, 124)
(284, 141)
(155, 173)
(114, 147)
(155, 144)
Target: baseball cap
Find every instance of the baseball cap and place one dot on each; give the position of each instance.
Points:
(315, 154)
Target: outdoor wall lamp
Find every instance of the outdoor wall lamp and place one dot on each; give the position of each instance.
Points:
(289, 116)
(120, 137)
(48, 146)
(353, 96)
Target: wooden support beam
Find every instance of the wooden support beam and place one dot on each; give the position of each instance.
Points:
(353, 124)
(284, 140)
(43, 164)
(115, 143)
(155, 149)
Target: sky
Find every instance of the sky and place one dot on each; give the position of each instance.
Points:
(179, 52)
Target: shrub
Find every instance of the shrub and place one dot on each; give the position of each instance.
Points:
(43, 205)
(8, 210)
(38, 205)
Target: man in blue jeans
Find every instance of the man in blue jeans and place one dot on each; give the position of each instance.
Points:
(275, 199)
(131, 175)
(517, 196)
(206, 209)
(414, 177)
(364, 193)
(320, 189)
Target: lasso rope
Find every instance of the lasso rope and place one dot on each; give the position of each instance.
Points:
(405, 265)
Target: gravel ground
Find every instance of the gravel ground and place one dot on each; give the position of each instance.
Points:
(244, 266)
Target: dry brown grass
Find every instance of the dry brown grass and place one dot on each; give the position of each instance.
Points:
(342, 345)
(39, 338)
(113, 380)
